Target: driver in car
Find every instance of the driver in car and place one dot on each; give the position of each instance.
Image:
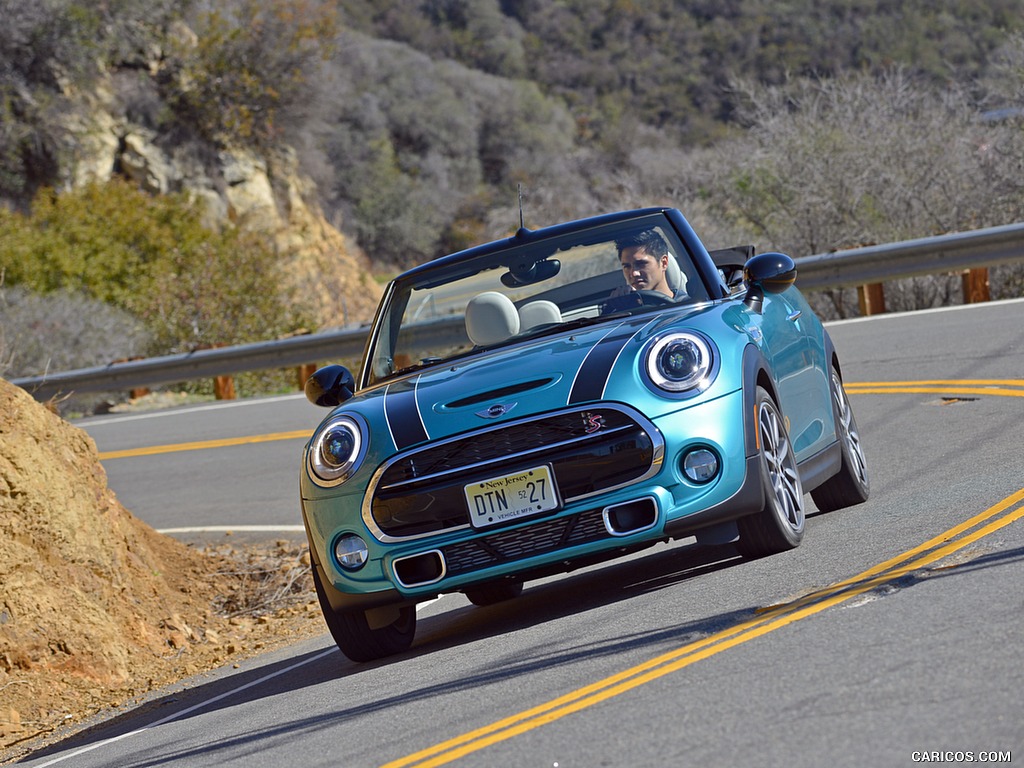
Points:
(644, 259)
(645, 262)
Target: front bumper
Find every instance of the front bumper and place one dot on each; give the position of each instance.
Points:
(661, 506)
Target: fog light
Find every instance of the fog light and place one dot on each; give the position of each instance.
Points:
(351, 553)
(700, 465)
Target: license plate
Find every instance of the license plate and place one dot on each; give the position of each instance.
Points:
(509, 497)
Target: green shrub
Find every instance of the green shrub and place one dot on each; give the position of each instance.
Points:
(152, 257)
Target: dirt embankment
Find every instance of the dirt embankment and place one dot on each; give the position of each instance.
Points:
(97, 608)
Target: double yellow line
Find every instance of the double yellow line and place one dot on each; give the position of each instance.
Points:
(1003, 387)
(153, 450)
(766, 620)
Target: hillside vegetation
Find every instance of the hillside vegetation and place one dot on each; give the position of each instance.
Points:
(671, 64)
(805, 126)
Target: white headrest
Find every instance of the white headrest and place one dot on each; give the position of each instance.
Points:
(674, 275)
(491, 317)
(540, 312)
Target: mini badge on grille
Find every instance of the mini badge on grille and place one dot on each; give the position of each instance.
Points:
(496, 410)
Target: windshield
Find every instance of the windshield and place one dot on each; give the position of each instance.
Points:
(544, 286)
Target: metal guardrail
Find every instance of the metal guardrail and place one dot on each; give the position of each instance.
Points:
(859, 266)
(200, 364)
(912, 258)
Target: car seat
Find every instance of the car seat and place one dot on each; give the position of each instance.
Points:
(540, 312)
(491, 318)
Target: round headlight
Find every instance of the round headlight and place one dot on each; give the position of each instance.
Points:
(679, 362)
(336, 451)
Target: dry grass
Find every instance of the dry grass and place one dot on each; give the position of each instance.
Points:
(266, 579)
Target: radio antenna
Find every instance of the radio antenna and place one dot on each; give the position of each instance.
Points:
(522, 224)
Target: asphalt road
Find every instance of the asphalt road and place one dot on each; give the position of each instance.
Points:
(891, 637)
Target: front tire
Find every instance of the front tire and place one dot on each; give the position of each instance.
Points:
(779, 526)
(352, 633)
(850, 485)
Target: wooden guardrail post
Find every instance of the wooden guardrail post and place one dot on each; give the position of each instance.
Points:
(135, 392)
(224, 387)
(976, 285)
(871, 299)
(304, 372)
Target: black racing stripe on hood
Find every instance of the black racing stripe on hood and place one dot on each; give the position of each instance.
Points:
(593, 374)
(403, 414)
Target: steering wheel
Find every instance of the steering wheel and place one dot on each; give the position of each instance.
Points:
(653, 298)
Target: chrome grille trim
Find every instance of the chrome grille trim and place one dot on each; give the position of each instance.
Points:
(639, 420)
(481, 465)
(513, 545)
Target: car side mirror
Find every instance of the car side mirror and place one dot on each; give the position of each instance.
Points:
(330, 386)
(767, 273)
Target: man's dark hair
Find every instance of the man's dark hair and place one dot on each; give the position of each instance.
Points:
(645, 239)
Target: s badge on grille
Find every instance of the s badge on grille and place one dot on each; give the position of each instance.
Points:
(496, 410)
(592, 422)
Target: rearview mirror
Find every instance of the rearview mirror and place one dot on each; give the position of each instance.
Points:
(530, 272)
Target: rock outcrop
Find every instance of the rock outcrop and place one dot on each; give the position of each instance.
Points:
(95, 606)
(238, 188)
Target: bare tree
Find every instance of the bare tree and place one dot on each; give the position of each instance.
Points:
(858, 160)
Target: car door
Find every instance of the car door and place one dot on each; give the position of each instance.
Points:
(794, 345)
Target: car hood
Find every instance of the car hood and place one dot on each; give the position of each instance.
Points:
(543, 374)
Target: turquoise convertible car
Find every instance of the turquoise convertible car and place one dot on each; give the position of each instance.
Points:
(561, 397)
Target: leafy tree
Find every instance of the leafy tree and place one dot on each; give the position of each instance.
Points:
(669, 63)
(420, 119)
(857, 160)
(413, 145)
(251, 68)
(152, 257)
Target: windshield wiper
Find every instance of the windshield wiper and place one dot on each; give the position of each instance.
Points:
(571, 325)
(427, 362)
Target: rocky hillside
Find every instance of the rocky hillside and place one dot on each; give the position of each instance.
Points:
(96, 607)
(267, 193)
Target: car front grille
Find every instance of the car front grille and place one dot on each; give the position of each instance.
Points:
(553, 544)
(590, 450)
(518, 544)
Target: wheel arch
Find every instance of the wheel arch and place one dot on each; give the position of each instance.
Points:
(756, 373)
(831, 356)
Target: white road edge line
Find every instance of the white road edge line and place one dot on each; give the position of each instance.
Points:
(102, 421)
(206, 703)
(189, 710)
(931, 311)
